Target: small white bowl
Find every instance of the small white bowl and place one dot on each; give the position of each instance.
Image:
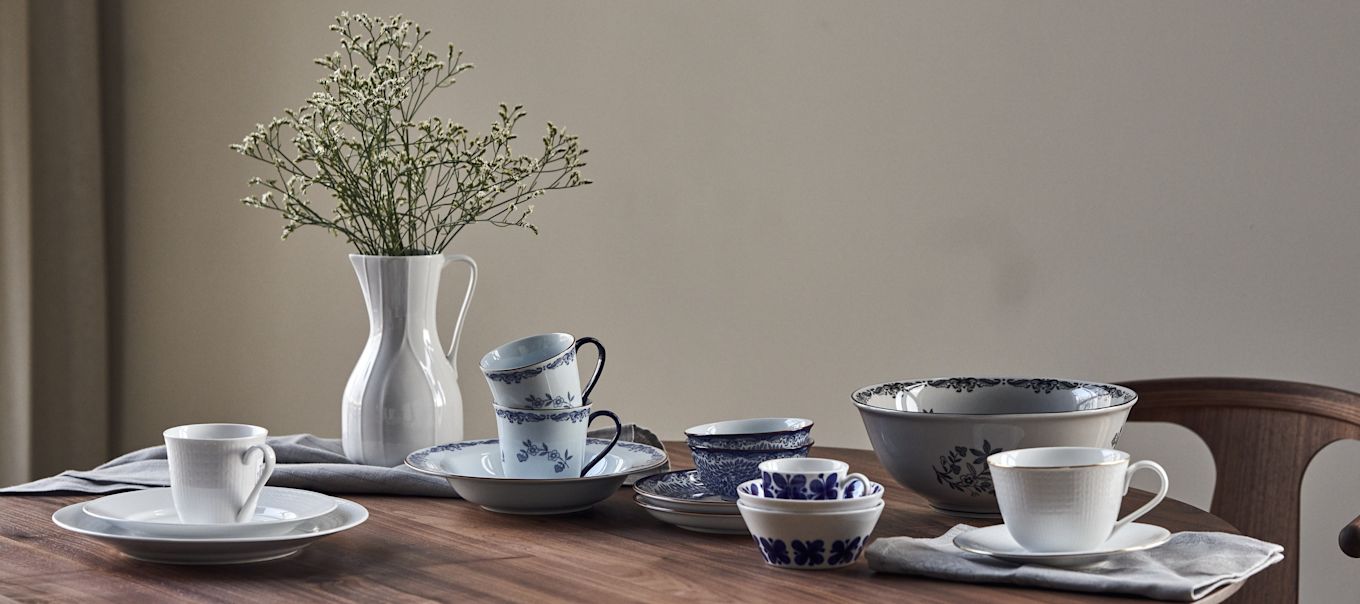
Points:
(746, 494)
(806, 541)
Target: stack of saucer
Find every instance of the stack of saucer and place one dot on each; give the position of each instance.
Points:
(144, 525)
(681, 499)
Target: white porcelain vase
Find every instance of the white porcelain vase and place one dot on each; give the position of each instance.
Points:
(403, 394)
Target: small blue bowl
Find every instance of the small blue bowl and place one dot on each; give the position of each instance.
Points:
(764, 433)
(722, 470)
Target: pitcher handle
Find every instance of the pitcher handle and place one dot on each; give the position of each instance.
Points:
(599, 368)
(267, 453)
(462, 312)
(618, 431)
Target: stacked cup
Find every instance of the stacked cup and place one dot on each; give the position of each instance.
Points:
(542, 413)
(810, 513)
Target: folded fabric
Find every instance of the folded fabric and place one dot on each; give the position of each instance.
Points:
(304, 462)
(1186, 568)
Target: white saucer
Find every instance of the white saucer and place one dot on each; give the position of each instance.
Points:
(996, 541)
(237, 550)
(699, 522)
(473, 468)
(151, 512)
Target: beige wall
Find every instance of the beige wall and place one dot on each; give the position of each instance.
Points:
(793, 199)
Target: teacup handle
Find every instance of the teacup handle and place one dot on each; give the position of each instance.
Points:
(267, 453)
(618, 431)
(851, 479)
(599, 368)
(1156, 499)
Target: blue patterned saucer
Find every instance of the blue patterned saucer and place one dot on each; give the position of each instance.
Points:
(683, 491)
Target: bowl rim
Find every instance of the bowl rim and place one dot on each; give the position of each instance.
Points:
(745, 507)
(620, 475)
(1127, 404)
(806, 445)
(741, 496)
(690, 431)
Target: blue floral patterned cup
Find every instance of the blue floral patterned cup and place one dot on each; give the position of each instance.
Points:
(539, 372)
(811, 478)
(548, 443)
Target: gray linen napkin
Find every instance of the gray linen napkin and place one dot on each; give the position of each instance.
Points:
(304, 462)
(1186, 568)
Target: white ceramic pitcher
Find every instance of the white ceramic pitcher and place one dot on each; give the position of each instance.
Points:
(403, 394)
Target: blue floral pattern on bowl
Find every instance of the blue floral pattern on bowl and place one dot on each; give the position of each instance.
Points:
(810, 553)
(783, 440)
(722, 469)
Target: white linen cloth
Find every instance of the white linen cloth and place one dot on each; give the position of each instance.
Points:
(304, 462)
(1186, 568)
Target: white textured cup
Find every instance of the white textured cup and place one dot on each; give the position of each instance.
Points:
(215, 473)
(1066, 499)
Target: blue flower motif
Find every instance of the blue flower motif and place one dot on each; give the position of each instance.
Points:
(788, 488)
(774, 550)
(807, 553)
(824, 488)
(844, 551)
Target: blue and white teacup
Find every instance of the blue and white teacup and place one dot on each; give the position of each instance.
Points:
(812, 478)
(539, 372)
(548, 443)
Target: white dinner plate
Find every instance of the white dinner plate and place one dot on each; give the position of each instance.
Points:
(151, 512)
(234, 550)
(996, 541)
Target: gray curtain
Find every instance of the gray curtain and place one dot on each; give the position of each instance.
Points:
(54, 365)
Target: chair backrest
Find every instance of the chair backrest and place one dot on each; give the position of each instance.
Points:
(1263, 434)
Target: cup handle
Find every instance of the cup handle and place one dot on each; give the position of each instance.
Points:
(599, 368)
(618, 431)
(267, 453)
(1156, 499)
(852, 478)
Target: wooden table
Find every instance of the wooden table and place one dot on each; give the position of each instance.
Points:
(418, 549)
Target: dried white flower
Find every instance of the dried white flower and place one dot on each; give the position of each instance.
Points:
(402, 185)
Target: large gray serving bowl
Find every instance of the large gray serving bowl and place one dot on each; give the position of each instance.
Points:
(934, 435)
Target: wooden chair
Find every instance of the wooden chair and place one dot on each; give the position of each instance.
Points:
(1262, 434)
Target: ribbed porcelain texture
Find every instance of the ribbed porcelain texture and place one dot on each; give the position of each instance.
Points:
(1060, 510)
(211, 479)
(403, 393)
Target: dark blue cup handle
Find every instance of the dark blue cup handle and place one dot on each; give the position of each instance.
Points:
(618, 431)
(599, 368)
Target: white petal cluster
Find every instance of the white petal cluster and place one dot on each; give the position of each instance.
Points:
(401, 184)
